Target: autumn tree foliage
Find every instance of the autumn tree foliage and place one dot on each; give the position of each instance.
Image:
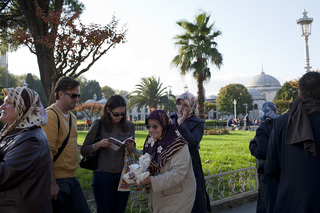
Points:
(90, 110)
(61, 42)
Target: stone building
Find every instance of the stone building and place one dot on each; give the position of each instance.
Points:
(262, 87)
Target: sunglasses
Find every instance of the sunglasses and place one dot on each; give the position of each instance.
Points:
(72, 96)
(152, 126)
(118, 114)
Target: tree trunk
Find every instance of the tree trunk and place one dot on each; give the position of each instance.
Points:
(45, 55)
(200, 101)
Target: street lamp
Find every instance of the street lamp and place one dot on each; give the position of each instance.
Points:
(305, 24)
(235, 108)
(246, 105)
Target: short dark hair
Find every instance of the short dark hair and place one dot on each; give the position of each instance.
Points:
(309, 85)
(112, 103)
(65, 83)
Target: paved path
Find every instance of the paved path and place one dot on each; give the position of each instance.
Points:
(246, 208)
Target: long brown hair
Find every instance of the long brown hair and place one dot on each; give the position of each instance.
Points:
(112, 103)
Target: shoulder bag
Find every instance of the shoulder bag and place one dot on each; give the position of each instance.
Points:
(91, 162)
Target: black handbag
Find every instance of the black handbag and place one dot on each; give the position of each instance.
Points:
(91, 162)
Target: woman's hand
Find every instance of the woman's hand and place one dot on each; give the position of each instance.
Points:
(103, 143)
(182, 116)
(147, 180)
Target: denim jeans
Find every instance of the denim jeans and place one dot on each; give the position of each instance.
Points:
(70, 197)
(108, 198)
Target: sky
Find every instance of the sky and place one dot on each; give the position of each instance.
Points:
(256, 35)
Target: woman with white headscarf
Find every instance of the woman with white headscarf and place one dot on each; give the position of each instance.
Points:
(258, 148)
(191, 127)
(25, 161)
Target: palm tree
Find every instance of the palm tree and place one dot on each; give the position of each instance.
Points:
(150, 92)
(197, 48)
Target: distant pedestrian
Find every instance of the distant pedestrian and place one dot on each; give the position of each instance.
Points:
(293, 158)
(246, 122)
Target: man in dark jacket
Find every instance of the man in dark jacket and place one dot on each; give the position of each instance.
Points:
(292, 157)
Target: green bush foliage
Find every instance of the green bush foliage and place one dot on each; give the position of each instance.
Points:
(216, 131)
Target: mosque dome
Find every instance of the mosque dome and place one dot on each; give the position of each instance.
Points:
(90, 101)
(256, 95)
(263, 80)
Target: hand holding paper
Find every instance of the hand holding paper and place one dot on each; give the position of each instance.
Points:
(138, 172)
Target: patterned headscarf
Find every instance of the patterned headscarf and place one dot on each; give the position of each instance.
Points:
(268, 112)
(162, 149)
(28, 108)
(191, 101)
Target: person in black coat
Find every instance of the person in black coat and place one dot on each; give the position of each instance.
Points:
(192, 128)
(293, 159)
(258, 148)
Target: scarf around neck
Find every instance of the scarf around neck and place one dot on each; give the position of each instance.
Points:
(299, 127)
(162, 149)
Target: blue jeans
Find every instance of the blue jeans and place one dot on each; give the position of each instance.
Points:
(70, 197)
(108, 198)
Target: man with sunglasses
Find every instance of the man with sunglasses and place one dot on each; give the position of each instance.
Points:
(61, 131)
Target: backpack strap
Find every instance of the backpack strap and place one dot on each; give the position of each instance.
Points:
(57, 117)
(55, 157)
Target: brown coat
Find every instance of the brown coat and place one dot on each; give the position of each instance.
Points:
(25, 172)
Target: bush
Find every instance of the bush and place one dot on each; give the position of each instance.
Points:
(216, 132)
(216, 123)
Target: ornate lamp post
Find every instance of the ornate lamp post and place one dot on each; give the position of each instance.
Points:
(235, 108)
(305, 24)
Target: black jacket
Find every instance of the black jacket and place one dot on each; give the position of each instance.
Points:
(25, 172)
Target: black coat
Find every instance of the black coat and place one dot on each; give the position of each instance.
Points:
(295, 169)
(259, 145)
(258, 148)
(192, 130)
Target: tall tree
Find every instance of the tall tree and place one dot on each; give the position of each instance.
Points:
(197, 49)
(107, 91)
(286, 94)
(60, 44)
(150, 92)
(12, 81)
(89, 89)
(34, 83)
(231, 92)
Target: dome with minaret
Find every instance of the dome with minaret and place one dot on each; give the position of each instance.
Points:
(263, 80)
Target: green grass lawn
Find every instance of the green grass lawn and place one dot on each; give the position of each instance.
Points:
(218, 152)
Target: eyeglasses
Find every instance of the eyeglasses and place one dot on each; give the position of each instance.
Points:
(118, 114)
(72, 96)
(152, 126)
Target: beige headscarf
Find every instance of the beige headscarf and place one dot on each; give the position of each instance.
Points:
(28, 108)
(191, 100)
